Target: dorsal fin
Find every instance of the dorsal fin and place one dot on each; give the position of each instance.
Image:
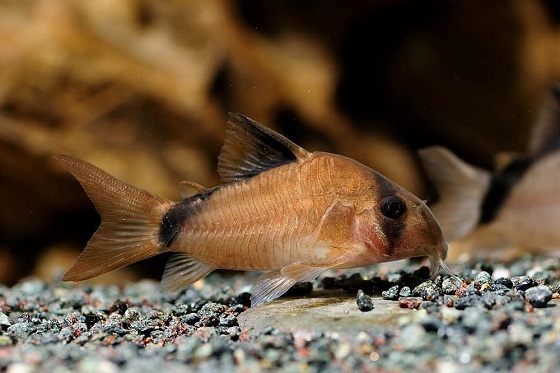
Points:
(188, 189)
(251, 148)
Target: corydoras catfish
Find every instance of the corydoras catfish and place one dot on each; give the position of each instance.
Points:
(510, 211)
(281, 209)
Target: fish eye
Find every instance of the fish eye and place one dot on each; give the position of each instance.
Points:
(393, 207)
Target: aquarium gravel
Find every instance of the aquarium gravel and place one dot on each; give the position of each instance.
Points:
(495, 317)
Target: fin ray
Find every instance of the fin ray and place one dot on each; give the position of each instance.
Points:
(130, 221)
(251, 148)
(303, 272)
(271, 285)
(182, 270)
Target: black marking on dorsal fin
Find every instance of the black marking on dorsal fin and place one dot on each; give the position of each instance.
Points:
(174, 219)
(251, 148)
(500, 187)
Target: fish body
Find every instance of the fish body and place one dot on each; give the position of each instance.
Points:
(281, 209)
(531, 215)
(514, 209)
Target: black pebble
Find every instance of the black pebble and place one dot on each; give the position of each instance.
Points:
(119, 307)
(469, 301)
(539, 296)
(328, 282)
(422, 272)
(191, 318)
(300, 288)
(392, 293)
(504, 281)
(431, 323)
(498, 289)
(243, 299)
(523, 282)
(364, 302)
(354, 282)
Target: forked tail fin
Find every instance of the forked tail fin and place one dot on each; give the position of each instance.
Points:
(130, 221)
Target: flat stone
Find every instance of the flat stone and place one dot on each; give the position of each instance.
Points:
(325, 310)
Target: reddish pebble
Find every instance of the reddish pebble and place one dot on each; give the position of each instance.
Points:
(410, 302)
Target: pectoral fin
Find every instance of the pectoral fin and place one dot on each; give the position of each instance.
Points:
(337, 226)
(271, 285)
(301, 272)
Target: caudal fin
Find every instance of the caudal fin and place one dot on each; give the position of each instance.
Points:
(130, 220)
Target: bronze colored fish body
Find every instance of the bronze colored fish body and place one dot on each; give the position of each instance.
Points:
(535, 199)
(281, 209)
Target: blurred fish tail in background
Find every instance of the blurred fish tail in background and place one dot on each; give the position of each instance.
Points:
(512, 211)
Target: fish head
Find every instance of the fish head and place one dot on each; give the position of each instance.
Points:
(398, 225)
(423, 235)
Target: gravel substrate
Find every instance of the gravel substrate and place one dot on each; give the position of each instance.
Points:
(498, 317)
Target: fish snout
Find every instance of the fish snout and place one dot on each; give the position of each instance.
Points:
(435, 244)
(416, 233)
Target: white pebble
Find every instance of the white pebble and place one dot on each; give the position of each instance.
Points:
(501, 272)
